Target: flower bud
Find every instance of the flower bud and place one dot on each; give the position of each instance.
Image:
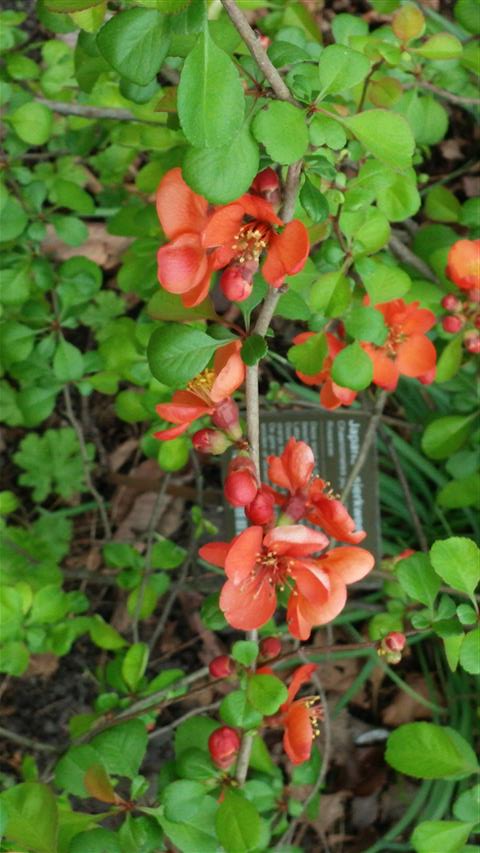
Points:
(452, 324)
(261, 509)
(221, 666)
(237, 282)
(391, 647)
(241, 483)
(472, 342)
(210, 441)
(227, 417)
(266, 183)
(270, 647)
(451, 303)
(223, 745)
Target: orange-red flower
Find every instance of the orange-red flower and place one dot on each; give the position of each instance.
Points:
(256, 564)
(300, 717)
(463, 264)
(331, 395)
(205, 393)
(241, 231)
(407, 351)
(184, 267)
(310, 497)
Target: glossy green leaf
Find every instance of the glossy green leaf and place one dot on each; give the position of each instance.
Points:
(449, 836)
(134, 665)
(446, 435)
(314, 202)
(32, 816)
(253, 349)
(341, 68)
(352, 368)
(450, 359)
(366, 324)
(68, 364)
(385, 135)
(282, 129)
(122, 747)
(33, 123)
(308, 357)
(223, 174)
(135, 43)
(457, 561)
(210, 97)
(177, 353)
(182, 799)
(470, 652)
(237, 823)
(266, 693)
(418, 579)
(428, 751)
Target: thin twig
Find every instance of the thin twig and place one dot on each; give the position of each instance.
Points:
(392, 451)
(87, 111)
(154, 519)
(26, 741)
(160, 626)
(461, 100)
(86, 462)
(254, 45)
(193, 713)
(408, 257)
(327, 750)
(367, 441)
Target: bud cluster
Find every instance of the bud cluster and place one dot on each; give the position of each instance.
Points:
(463, 313)
(226, 419)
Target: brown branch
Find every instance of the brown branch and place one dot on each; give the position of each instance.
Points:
(408, 257)
(87, 111)
(34, 745)
(367, 441)
(392, 451)
(461, 100)
(248, 35)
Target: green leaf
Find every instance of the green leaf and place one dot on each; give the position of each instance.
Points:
(178, 353)
(135, 43)
(253, 349)
(452, 646)
(470, 652)
(341, 68)
(450, 360)
(441, 46)
(194, 732)
(366, 324)
(71, 5)
(182, 799)
(238, 824)
(418, 579)
(446, 435)
(68, 362)
(134, 665)
(70, 195)
(32, 817)
(122, 748)
(70, 229)
(167, 555)
(52, 463)
(457, 561)
(169, 306)
(309, 356)
(173, 455)
(195, 834)
(236, 710)
(70, 770)
(210, 98)
(385, 135)
(428, 751)
(14, 658)
(441, 205)
(33, 123)
(466, 13)
(460, 493)
(223, 174)
(467, 805)
(427, 118)
(14, 219)
(314, 202)
(245, 652)
(95, 841)
(331, 294)
(282, 129)
(266, 693)
(352, 368)
(104, 636)
(449, 836)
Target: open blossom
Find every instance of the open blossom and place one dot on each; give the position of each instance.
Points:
(463, 264)
(206, 393)
(257, 564)
(331, 395)
(308, 497)
(300, 717)
(407, 351)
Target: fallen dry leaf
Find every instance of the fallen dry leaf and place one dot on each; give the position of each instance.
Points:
(43, 665)
(101, 247)
(405, 708)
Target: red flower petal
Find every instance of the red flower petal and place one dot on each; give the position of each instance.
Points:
(416, 356)
(347, 563)
(223, 226)
(418, 321)
(181, 264)
(248, 606)
(179, 208)
(287, 253)
(300, 677)
(199, 292)
(259, 209)
(385, 370)
(184, 408)
(167, 434)
(242, 556)
(463, 264)
(296, 540)
(298, 737)
(332, 516)
(230, 370)
(215, 553)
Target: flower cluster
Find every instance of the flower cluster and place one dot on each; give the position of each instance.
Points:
(463, 308)
(232, 238)
(278, 555)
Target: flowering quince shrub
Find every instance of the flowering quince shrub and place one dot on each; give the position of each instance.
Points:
(212, 209)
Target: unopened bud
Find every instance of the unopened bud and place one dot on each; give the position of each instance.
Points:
(240, 488)
(210, 441)
(451, 303)
(221, 666)
(270, 647)
(472, 342)
(391, 647)
(452, 324)
(261, 509)
(227, 417)
(266, 183)
(223, 745)
(237, 281)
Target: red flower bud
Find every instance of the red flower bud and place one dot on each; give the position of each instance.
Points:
(237, 281)
(395, 641)
(472, 342)
(477, 321)
(223, 745)
(261, 509)
(210, 441)
(452, 324)
(270, 647)
(240, 487)
(221, 666)
(266, 182)
(451, 303)
(227, 417)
